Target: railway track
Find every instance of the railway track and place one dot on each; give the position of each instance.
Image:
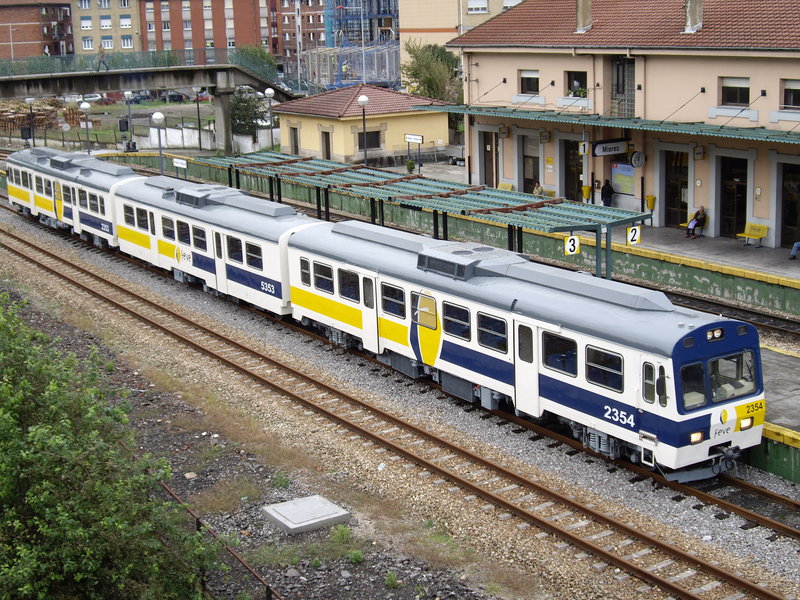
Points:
(504, 494)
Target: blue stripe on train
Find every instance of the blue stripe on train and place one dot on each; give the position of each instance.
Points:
(204, 263)
(254, 281)
(672, 433)
(94, 222)
(479, 362)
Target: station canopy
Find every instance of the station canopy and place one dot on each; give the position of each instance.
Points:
(537, 213)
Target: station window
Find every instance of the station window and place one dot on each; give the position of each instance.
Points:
(234, 249)
(577, 83)
(423, 311)
(323, 277)
(393, 300)
(184, 236)
(492, 332)
(735, 91)
(199, 238)
(348, 285)
(456, 321)
(141, 219)
(373, 140)
(560, 353)
(253, 255)
(604, 368)
(529, 82)
(791, 94)
(167, 227)
(305, 271)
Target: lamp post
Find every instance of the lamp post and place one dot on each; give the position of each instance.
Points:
(196, 91)
(85, 106)
(129, 145)
(270, 93)
(362, 102)
(158, 121)
(30, 102)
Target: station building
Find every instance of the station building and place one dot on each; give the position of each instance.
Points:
(684, 103)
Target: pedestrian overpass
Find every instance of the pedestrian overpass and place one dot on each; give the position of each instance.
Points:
(218, 70)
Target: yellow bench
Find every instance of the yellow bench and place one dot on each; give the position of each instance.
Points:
(752, 231)
(506, 187)
(699, 228)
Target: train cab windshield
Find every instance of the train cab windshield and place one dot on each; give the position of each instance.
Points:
(718, 380)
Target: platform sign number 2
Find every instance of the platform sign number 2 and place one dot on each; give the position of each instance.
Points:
(634, 235)
(572, 245)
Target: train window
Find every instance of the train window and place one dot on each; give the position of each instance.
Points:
(127, 215)
(48, 188)
(26, 179)
(693, 386)
(151, 216)
(604, 368)
(369, 293)
(93, 204)
(323, 277)
(456, 321)
(732, 376)
(66, 193)
(649, 383)
(525, 343)
(101, 205)
(199, 238)
(661, 388)
(393, 300)
(167, 228)
(305, 271)
(83, 199)
(348, 285)
(253, 255)
(492, 332)
(184, 236)
(423, 310)
(141, 219)
(560, 353)
(39, 185)
(234, 248)
(218, 244)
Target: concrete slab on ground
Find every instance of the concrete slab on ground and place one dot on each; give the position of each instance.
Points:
(306, 514)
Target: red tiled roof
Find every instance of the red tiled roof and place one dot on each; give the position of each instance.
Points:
(343, 102)
(727, 24)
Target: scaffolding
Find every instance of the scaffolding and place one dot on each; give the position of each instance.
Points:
(376, 64)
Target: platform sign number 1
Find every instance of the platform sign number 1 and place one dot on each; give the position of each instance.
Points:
(634, 235)
(572, 245)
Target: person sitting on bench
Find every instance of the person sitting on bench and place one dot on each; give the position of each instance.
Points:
(697, 220)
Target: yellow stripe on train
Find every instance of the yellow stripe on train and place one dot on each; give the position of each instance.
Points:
(349, 315)
(134, 237)
(756, 409)
(19, 194)
(166, 249)
(44, 203)
(393, 332)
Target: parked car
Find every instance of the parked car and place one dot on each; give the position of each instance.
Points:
(173, 96)
(92, 97)
(104, 101)
(246, 90)
(137, 98)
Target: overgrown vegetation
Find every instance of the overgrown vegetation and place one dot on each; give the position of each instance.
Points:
(339, 545)
(248, 115)
(80, 516)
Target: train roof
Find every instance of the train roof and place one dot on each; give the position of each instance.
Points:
(215, 205)
(72, 166)
(611, 310)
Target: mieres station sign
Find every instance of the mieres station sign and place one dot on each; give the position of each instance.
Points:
(604, 148)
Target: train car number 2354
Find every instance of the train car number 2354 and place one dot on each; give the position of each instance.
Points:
(619, 416)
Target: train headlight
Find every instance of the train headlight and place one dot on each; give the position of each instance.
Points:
(746, 423)
(696, 437)
(712, 335)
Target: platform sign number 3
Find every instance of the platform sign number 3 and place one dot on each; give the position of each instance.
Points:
(572, 245)
(634, 235)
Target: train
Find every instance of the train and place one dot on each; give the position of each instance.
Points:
(629, 373)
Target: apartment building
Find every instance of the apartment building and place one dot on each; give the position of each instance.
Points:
(206, 24)
(109, 24)
(35, 28)
(686, 101)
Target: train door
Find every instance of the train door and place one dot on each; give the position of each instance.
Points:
(652, 405)
(369, 327)
(526, 372)
(219, 264)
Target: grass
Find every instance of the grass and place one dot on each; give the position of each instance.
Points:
(226, 495)
(338, 546)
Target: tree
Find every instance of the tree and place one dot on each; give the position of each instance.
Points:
(433, 71)
(248, 114)
(80, 518)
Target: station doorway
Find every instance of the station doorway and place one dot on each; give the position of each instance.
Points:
(733, 195)
(489, 161)
(530, 163)
(676, 187)
(572, 169)
(790, 204)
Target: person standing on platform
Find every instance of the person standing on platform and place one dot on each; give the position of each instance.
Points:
(697, 220)
(607, 193)
(795, 249)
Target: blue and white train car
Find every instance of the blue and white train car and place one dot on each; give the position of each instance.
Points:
(632, 374)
